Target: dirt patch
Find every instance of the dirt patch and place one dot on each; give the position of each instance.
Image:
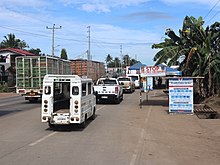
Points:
(213, 102)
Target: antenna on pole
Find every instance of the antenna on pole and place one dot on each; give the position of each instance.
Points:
(53, 30)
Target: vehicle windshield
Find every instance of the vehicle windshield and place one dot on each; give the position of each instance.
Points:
(134, 77)
(123, 79)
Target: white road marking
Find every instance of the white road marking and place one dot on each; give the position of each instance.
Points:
(100, 107)
(42, 139)
(142, 135)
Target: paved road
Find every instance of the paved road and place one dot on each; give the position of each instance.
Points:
(12, 103)
(120, 134)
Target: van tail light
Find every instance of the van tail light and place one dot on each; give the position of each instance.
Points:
(76, 106)
(116, 89)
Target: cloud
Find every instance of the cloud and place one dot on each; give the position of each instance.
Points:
(92, 8)
(108, 5)
(24, 3)
(102, 5)
(148, 16)
(190, 2)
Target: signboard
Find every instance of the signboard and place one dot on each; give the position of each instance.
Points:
(144, 84)
(152, 71)
(181, 95)
(150, 83)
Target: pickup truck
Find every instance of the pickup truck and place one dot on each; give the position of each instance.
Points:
(108, 89)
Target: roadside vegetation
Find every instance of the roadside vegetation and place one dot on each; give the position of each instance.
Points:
(199, 48)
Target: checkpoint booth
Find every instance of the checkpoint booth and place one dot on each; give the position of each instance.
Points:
(147, 73)
(180, 89)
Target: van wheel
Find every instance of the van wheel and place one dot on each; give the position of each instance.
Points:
(93, 115)
(51, 125)
(83, 124)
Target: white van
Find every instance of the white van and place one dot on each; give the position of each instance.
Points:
(135, 78)
(67, 99)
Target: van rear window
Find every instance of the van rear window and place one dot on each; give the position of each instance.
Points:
(109, 81)
(47, 90)
(75, 90)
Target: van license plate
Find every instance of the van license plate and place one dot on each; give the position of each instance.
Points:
(104, 97)
(61, 118)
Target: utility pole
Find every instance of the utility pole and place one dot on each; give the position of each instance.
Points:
(121, 58)
(53, 30)
(88, 52)
(89, 43)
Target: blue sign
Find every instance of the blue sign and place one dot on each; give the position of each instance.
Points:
(181, 95)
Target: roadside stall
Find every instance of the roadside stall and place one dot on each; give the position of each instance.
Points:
(147, 73)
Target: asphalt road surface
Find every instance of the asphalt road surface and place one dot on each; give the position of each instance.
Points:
(121, 134)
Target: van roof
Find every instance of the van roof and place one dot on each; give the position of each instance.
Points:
(54, 76)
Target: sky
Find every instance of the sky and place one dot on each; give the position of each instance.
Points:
(125, 27)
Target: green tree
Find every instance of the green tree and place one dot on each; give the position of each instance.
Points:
(133, 61)
(117, 62)
(35, 51)
(126, 60)
(201, 49)
(64, 54)
(11, 42)
(108, 59)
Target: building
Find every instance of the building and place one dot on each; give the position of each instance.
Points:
(7, 64)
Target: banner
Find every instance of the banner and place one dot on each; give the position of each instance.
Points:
(151, 71)
(181, 95)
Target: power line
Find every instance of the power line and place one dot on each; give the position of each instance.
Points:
(213, 17)
(211, 9)
(35, 34)
(18, 12)
(103, 43)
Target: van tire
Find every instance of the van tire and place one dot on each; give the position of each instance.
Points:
(51, 125)
(83, 124)
(93, 115)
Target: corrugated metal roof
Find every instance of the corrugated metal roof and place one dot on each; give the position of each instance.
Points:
(19, 51)
(136, 66)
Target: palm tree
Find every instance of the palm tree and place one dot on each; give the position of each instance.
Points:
(11, 42)
(126, 60)
(108, 60)
(117, 62)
